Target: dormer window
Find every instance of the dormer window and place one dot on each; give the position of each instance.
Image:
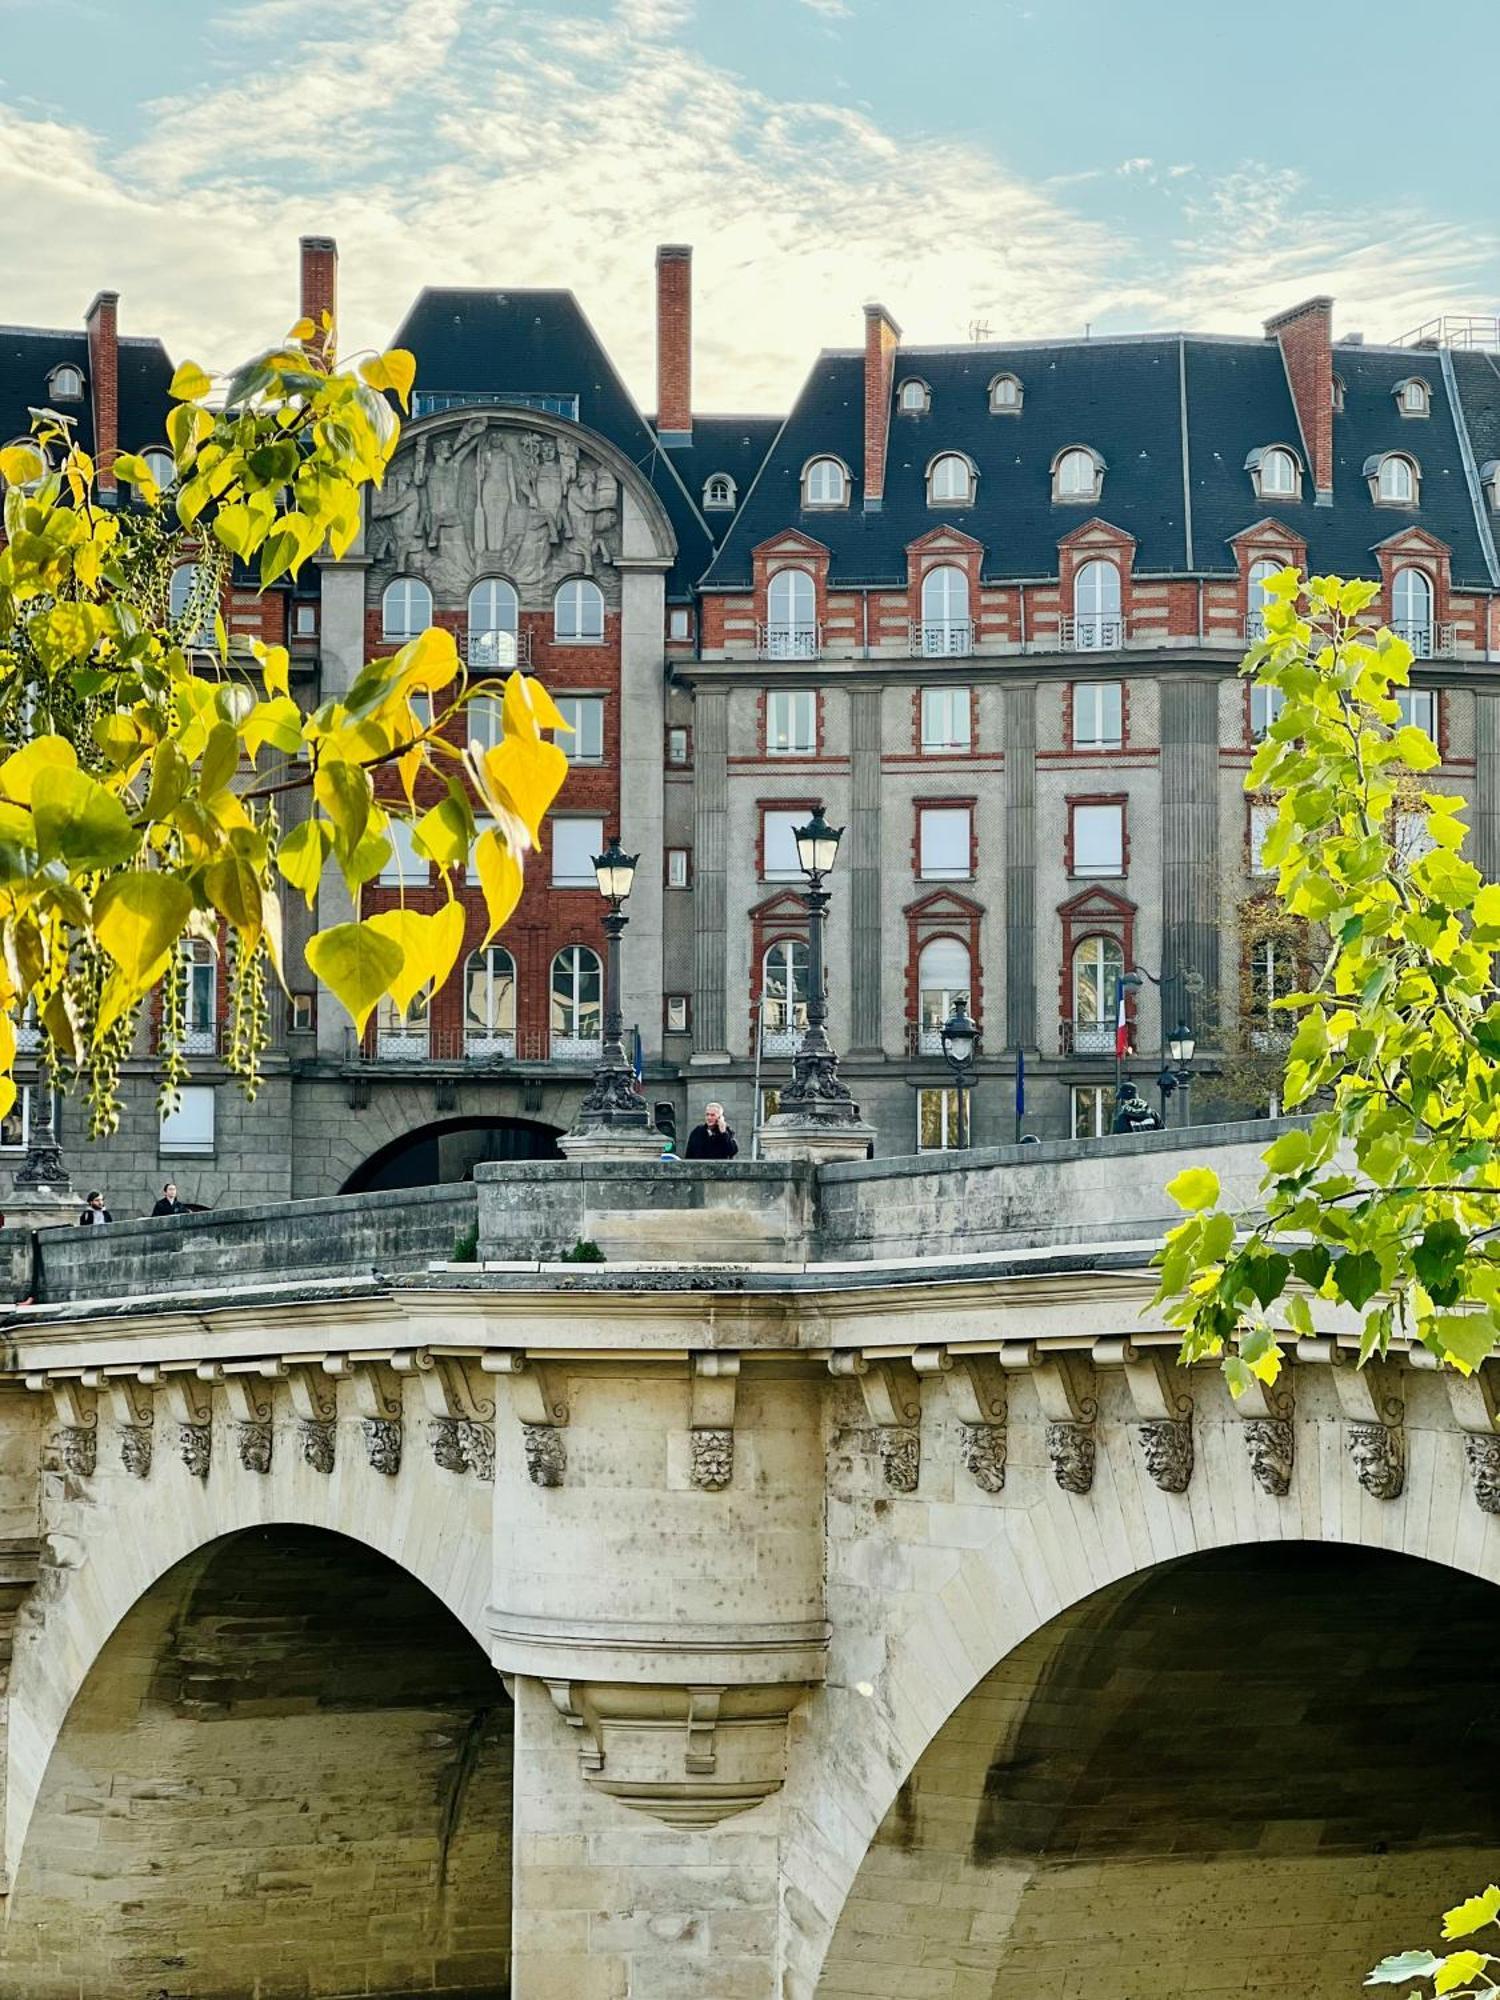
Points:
(65, 385)
(1489, 478)
(1338, 395)
(1395, 480)
(913, 398)
(718, 492)
(1005, 396)
(950, 480)
(1276, 472)
(1077, 475)
(825, 483)
(1414, 396)
(159, 462)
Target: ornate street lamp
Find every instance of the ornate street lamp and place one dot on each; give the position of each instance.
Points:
(614, 1107)
(960, 1039)
(42, 1175)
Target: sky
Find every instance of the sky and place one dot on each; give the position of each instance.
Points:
(1019, 169)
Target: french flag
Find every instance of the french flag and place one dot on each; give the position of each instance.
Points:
(1122, 1026)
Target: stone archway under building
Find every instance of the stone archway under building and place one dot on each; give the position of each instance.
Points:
(448, 1150)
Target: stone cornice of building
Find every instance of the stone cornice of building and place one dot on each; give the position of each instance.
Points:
(901, 669)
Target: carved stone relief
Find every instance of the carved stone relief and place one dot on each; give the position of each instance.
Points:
(1378, 1455)
(1167, 1446)
(477, 1444)
(135, 1450)
(447, 1445)
(1270, 1443)
(254, 1442)
(383, 1445)
(982, 1447)
(900, 1456)
(78, 1448)
(713, 1458)
(485, 497)
(1071, 1449)
(195, 1444)
(1482, 1456)
(318, 1443)
(546, 1454)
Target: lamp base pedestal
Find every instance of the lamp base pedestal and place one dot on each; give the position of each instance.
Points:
(801, 1135)
(618, 1142)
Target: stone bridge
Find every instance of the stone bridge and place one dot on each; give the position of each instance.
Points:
(879, 1612)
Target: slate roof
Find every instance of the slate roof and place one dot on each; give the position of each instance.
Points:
(28, 356)
(1126, 399)
(736, 445)
(540, 342)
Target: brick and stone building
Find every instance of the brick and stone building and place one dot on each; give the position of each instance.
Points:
(984, 602)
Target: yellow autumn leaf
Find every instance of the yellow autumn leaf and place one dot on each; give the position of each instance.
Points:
(500, 878)
(524, 778)
(357, 965)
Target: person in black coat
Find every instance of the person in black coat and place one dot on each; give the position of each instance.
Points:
(167, 1202)
(712, 1140)
(95, 1213)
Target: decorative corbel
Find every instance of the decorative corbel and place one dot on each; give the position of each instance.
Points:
(315, 1404)
(132, 1405)
(893, 1403)
(1265, 1411)
(76, 1408)
(377, 1397)
(1065, 1390)
(714, 1389)
(1163, 1406)
(249, 1400)
(1374, 1417)
(463, 1417)
(539, 1396)
(190, 1400)
(978, 1397)
(1476, 1411)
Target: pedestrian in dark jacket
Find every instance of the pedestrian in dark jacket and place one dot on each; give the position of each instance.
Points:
(95, 1213)
(167, 1202)
(712, 1140)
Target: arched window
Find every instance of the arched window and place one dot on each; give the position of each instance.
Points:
(1413, 397)
(490, 1003)
(1255, 598)
(494, 619)
(1005, 395)
(404, 1037)
(1098, 964)
(405, 609)
(578, 613)
(1411, 610)
(791, 616)
(943, 976)
(65, 385)
(1338, 395)
(1076, 475)
(950, 479)
(179, 603)
(160, 464)
(946, 628)
(824, 483)
(718, 491)
(783, 1001)
(1489, 474)
(1396, 480)
(577, 1004)
(200, 998)
(913, 397)
(1097, 624)
(1278, 475)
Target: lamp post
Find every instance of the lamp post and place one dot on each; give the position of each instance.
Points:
(1182, 1046)
(817, 1118)
(614, 1119)
(960, 1040)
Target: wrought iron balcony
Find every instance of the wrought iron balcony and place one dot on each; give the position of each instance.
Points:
(1092, 632)
(472, 1047)
(789, 642)
(1091, 1038)
(494, 652)
(944, 638)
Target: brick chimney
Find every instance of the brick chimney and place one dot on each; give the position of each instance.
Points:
(882, 338)
(104, 386)
(320, 290)
(674, 343)
(1305, 336)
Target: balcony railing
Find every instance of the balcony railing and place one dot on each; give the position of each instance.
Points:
(1091, 1038)
(477, 1048)
(494, 652)
(947, 638)
(789, 642)
(199, 1041)
(778, 1038)
(1092, 632)
(1255, 628)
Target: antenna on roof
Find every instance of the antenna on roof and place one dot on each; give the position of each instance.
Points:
(979, 329)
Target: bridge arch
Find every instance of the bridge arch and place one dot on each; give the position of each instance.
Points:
(448, 1149)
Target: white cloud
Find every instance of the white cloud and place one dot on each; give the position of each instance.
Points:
(481, 142)
(835, 10)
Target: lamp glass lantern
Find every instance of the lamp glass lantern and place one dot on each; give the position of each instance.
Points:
(959, 1035)
(817, 844)
(614, 870)
(1181, 1045)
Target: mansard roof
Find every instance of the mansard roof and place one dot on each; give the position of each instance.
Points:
(540, 343)
(736, 445)
(28, 356)
(1173, 416)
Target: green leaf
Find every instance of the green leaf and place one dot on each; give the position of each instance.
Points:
(357, 965)
(1289, 1153)
(138, 918)
(301, 855)
(1415, 748)
(1472, 1914)
(1410, 1965)
(1438, 1259)
(1468, 1339)
(1457, 1969)
(1356, 1275)
(1194, 1188)
(78, 822)
(1266, 1276)
(343, 791)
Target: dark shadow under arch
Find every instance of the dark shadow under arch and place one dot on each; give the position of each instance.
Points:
(449, 1150)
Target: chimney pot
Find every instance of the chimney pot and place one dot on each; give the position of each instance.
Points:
(102, 323)
(1305, 337)
(882, 338)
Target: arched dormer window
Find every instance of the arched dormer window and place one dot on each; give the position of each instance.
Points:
(950, 480)
(1077, 475)
(405, 608)
(1414, 396)
(913, 398)
(160, 463)
(718, 492)
(825, 483)
(946, 627)
(1395, 479)
(65, 384)
(1338, 395)
(1489, 478)
(578, 612)
(1006, 395)
(1275, 472)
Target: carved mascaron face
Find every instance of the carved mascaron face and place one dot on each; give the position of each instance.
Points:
(486, 497)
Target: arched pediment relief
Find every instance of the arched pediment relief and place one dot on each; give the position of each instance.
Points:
(496, 493)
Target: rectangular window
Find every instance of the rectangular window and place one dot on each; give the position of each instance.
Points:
(307, 621)
(677, 867)
(791, 722)
(937, 1121)
(1266, 703)
(1418, 708)
(482, 713)
(770, 1104)
(677, 744)
(405, 867)
(1098, 715)
(677, 1013)
(1099, 839)
(679, 624)
(482, 825)
(15, 1126)
(188, 1125)
(946, 724)
(586, 714)
(943, 843)
(1091, 1110)
(575, 842)
(779, 846)
(301, 1019)
(1262, 819)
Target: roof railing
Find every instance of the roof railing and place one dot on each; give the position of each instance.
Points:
(1469, 330)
